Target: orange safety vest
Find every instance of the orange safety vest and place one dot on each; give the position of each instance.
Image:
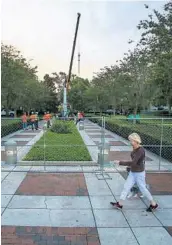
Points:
(47, 117)
(32, 118)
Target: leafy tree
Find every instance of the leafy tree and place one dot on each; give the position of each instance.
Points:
(157, 36)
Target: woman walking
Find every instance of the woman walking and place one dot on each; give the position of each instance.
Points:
(136, 175)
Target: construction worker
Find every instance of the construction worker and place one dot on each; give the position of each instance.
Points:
(32, 119)
(24, 121)
(36, 120)
(47, 118)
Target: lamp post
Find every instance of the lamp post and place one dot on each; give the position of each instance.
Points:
(65, 98)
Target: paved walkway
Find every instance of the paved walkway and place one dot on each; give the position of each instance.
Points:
(57, 207)
(74, 209)
(24, 139)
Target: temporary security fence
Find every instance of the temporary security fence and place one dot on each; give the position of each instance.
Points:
(89, 145)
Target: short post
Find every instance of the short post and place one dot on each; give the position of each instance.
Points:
(81, 125)
(103, 158)
(106, 153)
(10, 152)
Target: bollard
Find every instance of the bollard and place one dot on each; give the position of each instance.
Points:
(10, 152)
(103, 154)
(106, 153)
(81, 125)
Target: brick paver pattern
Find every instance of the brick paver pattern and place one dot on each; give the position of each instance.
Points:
(169, 229)
(22, 136)
(122, 156)
(112, 143)
(60, 184)
(48, 236)
(98, 136)
(160, 183)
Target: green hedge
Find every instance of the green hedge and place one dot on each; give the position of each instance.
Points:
(9, 126)
(60, 146)
(150, 134)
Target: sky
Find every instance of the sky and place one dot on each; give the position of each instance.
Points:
(43, 30)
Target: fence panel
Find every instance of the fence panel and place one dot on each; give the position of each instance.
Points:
(91, 144)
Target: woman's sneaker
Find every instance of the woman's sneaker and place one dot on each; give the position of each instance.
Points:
(116, 205)
(130, 195)
(151, 208)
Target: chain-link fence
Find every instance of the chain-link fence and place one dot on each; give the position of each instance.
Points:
(93, 143)
(10, 125)
(156, 135)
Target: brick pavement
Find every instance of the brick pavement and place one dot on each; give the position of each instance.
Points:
(22, 136)
(107, 136)
(108, 220)
(53, 184)
(160, 183)
(169, 229)
(22, 235)
(113, 143)
(122, 156)
(35, 217)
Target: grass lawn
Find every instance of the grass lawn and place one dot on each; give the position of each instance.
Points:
(60, 147)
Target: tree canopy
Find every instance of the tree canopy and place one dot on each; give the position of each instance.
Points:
(143, 77)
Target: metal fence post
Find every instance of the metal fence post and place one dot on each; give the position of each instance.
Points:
(161, 143)
(44, 130)
(102, 146)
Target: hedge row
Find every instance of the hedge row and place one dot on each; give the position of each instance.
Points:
(150, 134)
(10, 126)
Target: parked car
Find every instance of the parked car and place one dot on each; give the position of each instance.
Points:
(110, 111)
(4, 113)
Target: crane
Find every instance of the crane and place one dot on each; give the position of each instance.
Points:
(67, 79)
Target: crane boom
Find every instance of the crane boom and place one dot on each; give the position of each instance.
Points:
(73, 51)
(67, 81)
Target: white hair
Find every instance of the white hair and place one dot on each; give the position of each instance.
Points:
(135, 137)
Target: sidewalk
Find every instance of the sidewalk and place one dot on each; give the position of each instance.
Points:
(24, 139)
(56, 207)
(73, 209)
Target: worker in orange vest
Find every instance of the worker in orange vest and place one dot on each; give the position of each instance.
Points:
(36, 121)
(24, 121)
(32, 119)
(47, 118)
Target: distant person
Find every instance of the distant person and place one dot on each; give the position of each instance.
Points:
(136, 174)
(80, 117)
(83, 115)
(47, 118)
(32, 120)
(36, 121)
(24, 121)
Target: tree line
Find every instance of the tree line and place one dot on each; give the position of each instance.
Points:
(21, 87)
(143, 77)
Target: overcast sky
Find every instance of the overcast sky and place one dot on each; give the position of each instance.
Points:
(43, 30)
